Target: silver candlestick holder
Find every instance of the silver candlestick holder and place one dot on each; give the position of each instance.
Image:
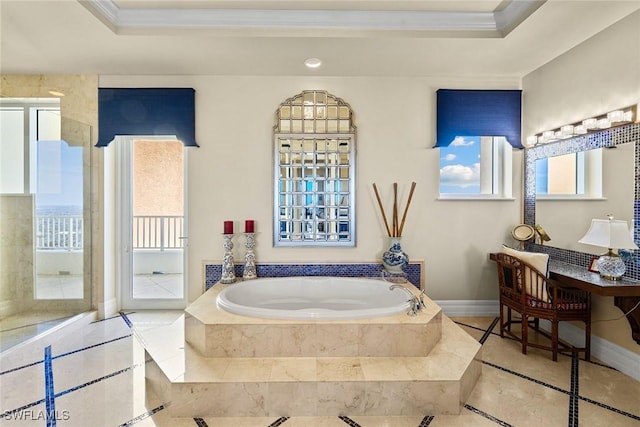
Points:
(228, 269)
(249, 257)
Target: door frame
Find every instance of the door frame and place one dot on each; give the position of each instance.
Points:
(124, 227)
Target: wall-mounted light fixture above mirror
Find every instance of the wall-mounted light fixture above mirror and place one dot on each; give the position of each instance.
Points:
(314, 173)
(619, 117)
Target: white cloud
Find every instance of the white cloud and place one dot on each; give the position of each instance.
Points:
(461, 142)
(460, 175)
(450, 157)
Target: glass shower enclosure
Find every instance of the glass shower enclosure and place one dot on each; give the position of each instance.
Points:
(45, 218)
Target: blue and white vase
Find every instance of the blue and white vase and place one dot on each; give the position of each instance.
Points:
(394, 259)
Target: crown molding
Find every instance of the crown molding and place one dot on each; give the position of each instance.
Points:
(299, 22)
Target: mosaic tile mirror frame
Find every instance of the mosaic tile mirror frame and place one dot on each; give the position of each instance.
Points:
(605, 138)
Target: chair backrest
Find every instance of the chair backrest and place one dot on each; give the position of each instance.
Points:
(517, 276)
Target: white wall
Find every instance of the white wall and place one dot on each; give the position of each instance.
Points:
(597, 76)
(230, 175)
(600, 75)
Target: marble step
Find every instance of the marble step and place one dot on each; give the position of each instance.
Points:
(199, 386)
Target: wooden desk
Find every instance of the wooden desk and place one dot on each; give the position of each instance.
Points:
(626, 292)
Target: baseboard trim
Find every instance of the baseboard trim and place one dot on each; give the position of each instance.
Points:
(609, 353)
(107, 308)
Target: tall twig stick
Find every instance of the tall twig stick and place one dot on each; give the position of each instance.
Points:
(406, 208)
(395, 209)
(384, 217)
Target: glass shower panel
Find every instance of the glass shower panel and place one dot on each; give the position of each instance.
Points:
(45, 216)
(59, 208)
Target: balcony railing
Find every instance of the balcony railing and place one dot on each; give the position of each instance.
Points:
(157, 232)
(59, 232)
(149, 232)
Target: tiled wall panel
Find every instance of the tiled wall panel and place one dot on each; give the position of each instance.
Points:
(212, 271)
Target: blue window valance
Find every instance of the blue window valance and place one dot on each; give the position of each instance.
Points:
(146, 111)
(478, 113)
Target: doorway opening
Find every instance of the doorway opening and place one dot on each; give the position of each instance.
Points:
(153, 222)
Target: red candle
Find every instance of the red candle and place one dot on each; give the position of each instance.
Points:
(248, 226)
(228, 227)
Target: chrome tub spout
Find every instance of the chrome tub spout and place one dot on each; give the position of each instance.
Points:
(415, 304)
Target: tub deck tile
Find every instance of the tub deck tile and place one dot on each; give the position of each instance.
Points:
(311, 386)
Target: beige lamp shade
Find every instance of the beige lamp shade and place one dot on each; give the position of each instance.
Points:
(609, 233)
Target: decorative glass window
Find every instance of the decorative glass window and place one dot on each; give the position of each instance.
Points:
(314, 158)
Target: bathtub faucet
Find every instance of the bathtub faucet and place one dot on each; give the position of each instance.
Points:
(415, 304)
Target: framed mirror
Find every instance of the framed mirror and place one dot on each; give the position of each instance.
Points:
(314, 173)
(568, 218)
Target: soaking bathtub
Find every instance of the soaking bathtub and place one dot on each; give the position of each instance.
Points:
(320, 298)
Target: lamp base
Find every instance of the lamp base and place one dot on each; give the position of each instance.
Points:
(611, 266)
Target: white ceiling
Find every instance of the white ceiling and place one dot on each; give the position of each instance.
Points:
(481, 38)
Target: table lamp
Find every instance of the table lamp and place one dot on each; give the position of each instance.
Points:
(611, 234)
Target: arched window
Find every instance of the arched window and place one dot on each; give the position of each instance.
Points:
(314, 180)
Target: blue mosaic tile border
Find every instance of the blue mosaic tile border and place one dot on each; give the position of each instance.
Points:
(213, 272)
(605, 138)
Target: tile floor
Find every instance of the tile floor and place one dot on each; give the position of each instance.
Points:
(144, 286)
(58, 287)
(18, 328)
(95, 377)
(163, 286)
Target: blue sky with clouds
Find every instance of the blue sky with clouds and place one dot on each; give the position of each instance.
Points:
(59, 174)
(460, 166)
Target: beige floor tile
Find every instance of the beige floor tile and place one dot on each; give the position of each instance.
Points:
(30, 417)
(466, 418)
(518, 401)
(510, 389)
(536, 363)
(475, 326)
(591, 415)
(311, 422)
(387, 421)
(241, 421)
(621, 391)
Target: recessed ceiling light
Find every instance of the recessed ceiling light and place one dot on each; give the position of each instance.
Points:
(312, 62)
(56, 93)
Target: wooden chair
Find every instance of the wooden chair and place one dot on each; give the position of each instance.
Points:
(534, 296)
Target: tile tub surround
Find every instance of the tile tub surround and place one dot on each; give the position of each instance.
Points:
(217, 333)
(265, 385)
(414, 271)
